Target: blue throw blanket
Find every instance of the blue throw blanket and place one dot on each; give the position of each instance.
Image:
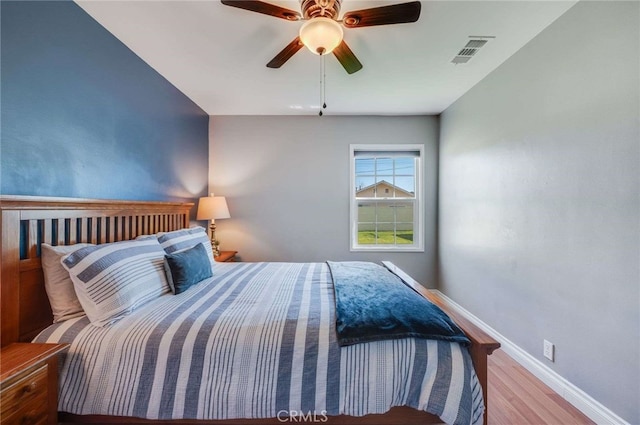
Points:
(374, 304)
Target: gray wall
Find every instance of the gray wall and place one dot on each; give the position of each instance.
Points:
(286, 180)
(539, 200)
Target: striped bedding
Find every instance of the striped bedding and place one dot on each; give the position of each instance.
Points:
(256, 340)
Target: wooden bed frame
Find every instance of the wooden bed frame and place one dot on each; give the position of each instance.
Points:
(27, 222)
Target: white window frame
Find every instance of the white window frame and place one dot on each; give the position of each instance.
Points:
(418, 216)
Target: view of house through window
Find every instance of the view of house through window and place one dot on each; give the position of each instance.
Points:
(385, 205)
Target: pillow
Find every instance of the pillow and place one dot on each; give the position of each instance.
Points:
(57, 282)
(112, 280)
(186, 238)
(188, 267)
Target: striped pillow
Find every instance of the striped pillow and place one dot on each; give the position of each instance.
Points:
(184, 239)
(111, 280)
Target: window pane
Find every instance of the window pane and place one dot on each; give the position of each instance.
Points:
(365, 187)
(366, 213)
(384, 187)
(405, 166)
(365, 166)
(384, 166)
(404, 211)
(407, 186)
(386, 212)
(404, 222)
(366, 234)
(404, 233)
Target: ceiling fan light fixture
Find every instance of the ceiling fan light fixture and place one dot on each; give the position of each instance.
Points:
(321, 35)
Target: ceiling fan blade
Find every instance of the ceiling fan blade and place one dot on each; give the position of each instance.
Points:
(264, 8)
(286, 53)
(395, 14)
(346, 57)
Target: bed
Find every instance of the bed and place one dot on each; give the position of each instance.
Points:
(28, 222)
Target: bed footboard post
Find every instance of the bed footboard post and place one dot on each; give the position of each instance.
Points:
(479, 355)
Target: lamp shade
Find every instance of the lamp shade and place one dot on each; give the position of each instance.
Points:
(212, 207)
(321, 35)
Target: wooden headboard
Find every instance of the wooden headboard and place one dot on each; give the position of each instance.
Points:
(27, 222)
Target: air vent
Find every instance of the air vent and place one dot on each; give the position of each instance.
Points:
(467, 52)
(476, 44)
(470, 49)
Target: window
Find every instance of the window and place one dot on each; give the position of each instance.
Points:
(386, 198)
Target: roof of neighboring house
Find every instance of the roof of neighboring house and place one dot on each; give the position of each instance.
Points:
(398, 190)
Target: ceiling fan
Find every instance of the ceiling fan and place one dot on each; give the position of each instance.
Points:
(322, 32)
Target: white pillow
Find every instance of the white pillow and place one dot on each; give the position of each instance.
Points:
(112, 280)
(57, 282)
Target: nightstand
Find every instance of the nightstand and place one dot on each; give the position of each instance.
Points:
(226, 257)
(29, 383)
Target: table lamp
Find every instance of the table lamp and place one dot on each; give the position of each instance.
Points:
(212, 208)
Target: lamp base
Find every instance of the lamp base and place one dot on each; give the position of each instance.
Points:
(214, 242)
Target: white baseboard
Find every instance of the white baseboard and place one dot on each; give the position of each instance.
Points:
(593, 409)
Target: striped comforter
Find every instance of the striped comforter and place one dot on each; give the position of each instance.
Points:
(257, 340)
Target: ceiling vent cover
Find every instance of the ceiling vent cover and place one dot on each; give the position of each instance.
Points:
(470, 49)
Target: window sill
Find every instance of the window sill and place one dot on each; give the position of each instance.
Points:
(386, 249)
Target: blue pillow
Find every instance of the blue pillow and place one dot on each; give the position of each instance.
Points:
(188, 267)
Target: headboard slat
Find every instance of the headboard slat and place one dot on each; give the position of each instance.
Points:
(83, 232)
(126, 228)
(28, 221)
(73, 230)
(32, 238)
(62, 231)
(94, 230)
(47, 234)
(112, 223)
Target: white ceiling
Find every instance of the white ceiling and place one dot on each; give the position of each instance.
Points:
(216, 55)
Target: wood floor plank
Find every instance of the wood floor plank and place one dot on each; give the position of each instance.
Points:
(517, 397)
(530, 398)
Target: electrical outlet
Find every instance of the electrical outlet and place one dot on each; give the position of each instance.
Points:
(549, 350)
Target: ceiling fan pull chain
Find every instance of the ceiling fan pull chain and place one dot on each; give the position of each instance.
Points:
(322, 84)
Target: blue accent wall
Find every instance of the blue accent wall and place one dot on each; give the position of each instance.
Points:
(83, 116)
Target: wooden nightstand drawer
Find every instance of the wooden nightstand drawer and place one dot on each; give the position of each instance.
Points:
(24, 399)
(29, 383)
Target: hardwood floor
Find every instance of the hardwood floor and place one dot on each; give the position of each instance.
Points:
(516, 397)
